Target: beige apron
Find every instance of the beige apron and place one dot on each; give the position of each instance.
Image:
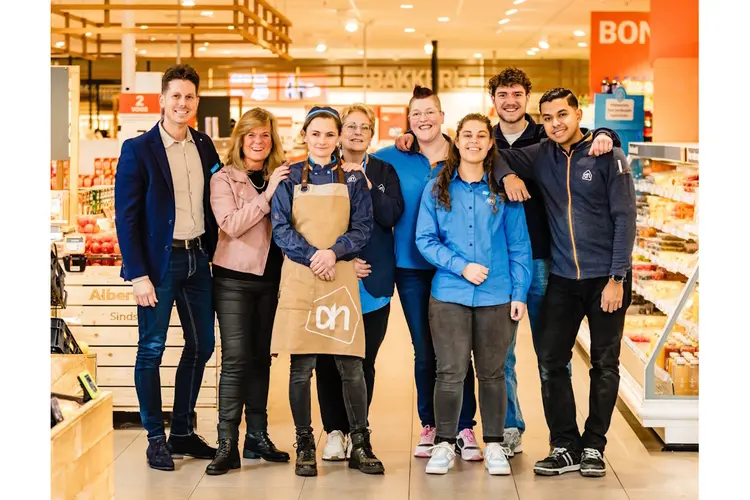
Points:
(316, 316)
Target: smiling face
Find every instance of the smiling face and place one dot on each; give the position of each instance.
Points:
(561, 120)
(180, 102)
(510, 103)
(425, 119)
(474, 141)
(321, 137)
(257, 144)
(354, 137)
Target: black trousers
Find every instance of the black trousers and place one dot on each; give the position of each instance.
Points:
(565, 305)
(245, 310)
(328, 380)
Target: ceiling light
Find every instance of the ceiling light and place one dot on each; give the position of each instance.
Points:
(406, 6)
(207, 13)
(226, 51)
(477, 55)
(352, 26)
(153, 39)
(583, 44)
(321, 47)
(144, 26)
(230, 27)
(205, 44)
(510, 12)
(544, 44)
(428, 48)
(60, 45)
(361, 52)
(531, 52)
(518, 2)
(143, 51)
(188, 3)
(88, 33)
(579, 33)
(534, 49)
(503, 21)
(409, 30)
(202, 49)
(443, 19)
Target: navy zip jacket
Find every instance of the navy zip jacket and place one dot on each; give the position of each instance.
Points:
(387, 207)
(590, 204)
(349, 244)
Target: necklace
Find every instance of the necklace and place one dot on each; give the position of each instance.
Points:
(255, 186)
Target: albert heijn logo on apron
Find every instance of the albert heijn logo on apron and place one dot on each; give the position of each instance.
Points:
(334, 316)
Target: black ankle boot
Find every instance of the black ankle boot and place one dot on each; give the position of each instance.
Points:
(362, 457)
(306, 463)
(227, 458)
(259, 445)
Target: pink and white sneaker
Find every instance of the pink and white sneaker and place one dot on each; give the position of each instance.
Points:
(467, 446)
(426, 442)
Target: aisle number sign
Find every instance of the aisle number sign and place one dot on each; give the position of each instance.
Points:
(141, 104)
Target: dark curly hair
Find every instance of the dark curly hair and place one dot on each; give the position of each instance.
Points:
(507, 78)
(441, 188)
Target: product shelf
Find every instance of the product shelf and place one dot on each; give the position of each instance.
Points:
(672, 194)
(666, 306)
(681, 230)
(668, 264)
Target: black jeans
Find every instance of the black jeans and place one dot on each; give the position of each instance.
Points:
(353, 389)
(328, 380)
(246, 311)
(565, 305)
(457, 330)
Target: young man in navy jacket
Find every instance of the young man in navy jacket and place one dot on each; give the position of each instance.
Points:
(167, 235)
(590, 205)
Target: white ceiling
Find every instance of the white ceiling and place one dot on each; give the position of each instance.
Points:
(473, 28)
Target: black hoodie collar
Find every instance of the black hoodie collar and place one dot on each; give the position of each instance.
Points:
(529, 133)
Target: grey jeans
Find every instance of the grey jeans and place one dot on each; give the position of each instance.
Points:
(458, 330)
(352, 382)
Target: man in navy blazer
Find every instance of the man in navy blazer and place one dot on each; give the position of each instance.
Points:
(167, 234)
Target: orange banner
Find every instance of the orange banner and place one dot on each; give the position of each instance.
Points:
(139, 103)
(620, 47)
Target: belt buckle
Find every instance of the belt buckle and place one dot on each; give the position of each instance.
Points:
(187, 244)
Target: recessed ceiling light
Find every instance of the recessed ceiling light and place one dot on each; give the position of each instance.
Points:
(226, 51)
(583, 44)
(60, 45)
(443, 19)
(518, 2)
(477, 55)
(361, 52)
(503, 21)
(352, 26)
(153, 38)
(428, 48)
(510, 12)
(579, 33)
(406, 6)
(207, 13)
(188, 3)
(88, 33)
(534, 49)
(144, 26)
(143, 51)
(321, 47)
(409, 30)
(544, 44)
(230, 27)
(202, 49)
(531, 52)
(205, 44)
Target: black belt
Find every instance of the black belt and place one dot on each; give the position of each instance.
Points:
(188, 244)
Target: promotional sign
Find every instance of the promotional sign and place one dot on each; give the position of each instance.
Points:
(393, 122)
(143, 104)
(620, 47)
(622, 113)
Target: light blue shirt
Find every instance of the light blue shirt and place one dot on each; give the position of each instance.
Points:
(472, 232)
(370, 303)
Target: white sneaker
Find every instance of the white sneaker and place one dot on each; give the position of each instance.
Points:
(512, 441)
(426, 442)
(442, 458)
(496, 459)
(335, 449)
(467, 445)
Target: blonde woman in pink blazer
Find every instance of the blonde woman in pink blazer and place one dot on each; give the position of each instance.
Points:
(247, 271)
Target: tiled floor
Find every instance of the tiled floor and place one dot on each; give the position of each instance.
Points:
(637, 469)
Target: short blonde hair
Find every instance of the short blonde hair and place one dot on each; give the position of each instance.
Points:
(361, 108)
(256, 117)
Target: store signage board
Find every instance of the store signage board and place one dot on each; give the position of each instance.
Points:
(620, 47)
(406, 79)
(622, 113)
(141, 104)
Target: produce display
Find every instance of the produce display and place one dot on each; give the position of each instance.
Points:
(104, 174)
(102, 247)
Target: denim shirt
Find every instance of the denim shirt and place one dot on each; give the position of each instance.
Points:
(414, 172)
(472, 233)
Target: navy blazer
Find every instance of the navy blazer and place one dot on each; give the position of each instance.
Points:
(387, 207)
(144, 204)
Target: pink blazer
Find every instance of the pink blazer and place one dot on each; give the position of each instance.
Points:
(244, 228)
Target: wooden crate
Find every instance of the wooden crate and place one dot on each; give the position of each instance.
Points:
(82, 453)
(64, 370)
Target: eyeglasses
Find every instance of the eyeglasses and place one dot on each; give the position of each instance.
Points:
(416, 115)
(353, 127)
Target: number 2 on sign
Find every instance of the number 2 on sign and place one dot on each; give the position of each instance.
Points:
(139, 101)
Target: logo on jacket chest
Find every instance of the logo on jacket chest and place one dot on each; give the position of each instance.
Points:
(382, 188)
(587, 176)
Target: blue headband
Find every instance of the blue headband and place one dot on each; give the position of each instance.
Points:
(323, 110)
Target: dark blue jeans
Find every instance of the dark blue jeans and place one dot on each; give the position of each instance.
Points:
(414, 287)
(188, 283)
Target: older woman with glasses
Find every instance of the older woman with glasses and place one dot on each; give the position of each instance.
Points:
(375, 268)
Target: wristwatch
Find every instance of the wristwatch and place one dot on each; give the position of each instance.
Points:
(617, 279)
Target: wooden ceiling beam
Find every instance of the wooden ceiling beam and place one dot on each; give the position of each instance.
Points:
(65, 7)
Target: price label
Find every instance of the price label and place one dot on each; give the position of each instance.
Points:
(75, 245)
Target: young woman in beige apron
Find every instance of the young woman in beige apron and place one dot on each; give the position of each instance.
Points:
(322, 218)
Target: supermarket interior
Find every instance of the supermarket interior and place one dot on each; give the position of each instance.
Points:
(632, 67)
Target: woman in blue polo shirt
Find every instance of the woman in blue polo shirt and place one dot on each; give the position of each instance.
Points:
(415, 169)
(481, 248)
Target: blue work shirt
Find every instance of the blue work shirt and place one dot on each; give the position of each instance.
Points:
(370, 303)
(414, 172)
(472, 232)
